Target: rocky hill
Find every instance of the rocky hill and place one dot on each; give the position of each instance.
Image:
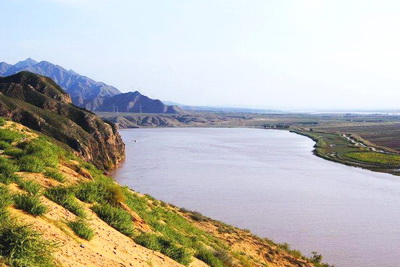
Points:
(40, 104)
(87, 93)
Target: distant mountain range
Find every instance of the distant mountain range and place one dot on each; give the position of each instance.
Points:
(87, 93)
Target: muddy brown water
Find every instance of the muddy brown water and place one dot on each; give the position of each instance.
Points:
(269, 182)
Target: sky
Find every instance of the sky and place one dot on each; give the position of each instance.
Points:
(279, 54)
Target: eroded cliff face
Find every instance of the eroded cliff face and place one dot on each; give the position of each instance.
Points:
(37, 102)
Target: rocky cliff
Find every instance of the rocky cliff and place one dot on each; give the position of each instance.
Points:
(39, 103)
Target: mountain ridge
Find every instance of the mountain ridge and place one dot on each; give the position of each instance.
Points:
(86, 92)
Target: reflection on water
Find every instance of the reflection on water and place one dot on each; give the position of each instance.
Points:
(268, 181)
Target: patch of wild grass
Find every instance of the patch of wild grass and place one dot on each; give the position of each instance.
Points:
(14, 152)
(7, 171)
(54, 174)
(115, 217)
(66, 198)
(30, 204)
(165, 246)
(10, 136)
(4, 145)
(20, 245)
(31, 187)
(6, 199)
(2, 121)
(102, 190)
(208, 256)
(31, 164)
(42, 149)
(81, 229)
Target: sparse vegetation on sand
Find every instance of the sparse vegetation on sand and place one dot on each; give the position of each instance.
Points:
(30, 204)
(20, 245)
(65, 197)
(115, 217)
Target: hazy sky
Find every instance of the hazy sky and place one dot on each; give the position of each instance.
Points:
(268, 53)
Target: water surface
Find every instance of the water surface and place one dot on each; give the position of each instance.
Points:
(269, 181)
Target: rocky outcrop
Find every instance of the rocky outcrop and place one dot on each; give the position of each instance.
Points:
(39, 103)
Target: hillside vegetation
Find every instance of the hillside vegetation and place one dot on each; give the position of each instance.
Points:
(57, 209)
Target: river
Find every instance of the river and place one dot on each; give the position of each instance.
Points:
(268, 181)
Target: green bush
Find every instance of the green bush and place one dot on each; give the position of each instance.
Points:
(56, 175)
(82, 229)
(13, 152)
(20, 246)
(30, 204)
(103, 190)
(7, 170)
(65, 197)
(165, 246)
(115, 217)
(31, 187)
(10, 136)
(31, 164)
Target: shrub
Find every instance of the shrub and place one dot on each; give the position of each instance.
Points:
(115, 217)
(65, 197)
(31, 187)
(30, 204)
(20, 245)
(13, 152)
(103, 190)
(208, 257)
(81, 229)
(9, 136)
(56, 175)
(7, 170)
(31, 164)
(165, 246)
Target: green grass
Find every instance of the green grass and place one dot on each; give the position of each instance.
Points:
(31, 164)
(81, 229)
(30, 204)
(31, 187)
(42, 149)
(4, 145)
(7, 171)
(6, 199)
(20, 245)
(10, 136)
(115, 217)
(13, 152)
(208, 256)
(2, 121)
(102, 190)
(66, 198)
(165, 246)
(375, 157)
(54, 174)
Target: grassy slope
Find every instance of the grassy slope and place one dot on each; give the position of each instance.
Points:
(74, 215)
